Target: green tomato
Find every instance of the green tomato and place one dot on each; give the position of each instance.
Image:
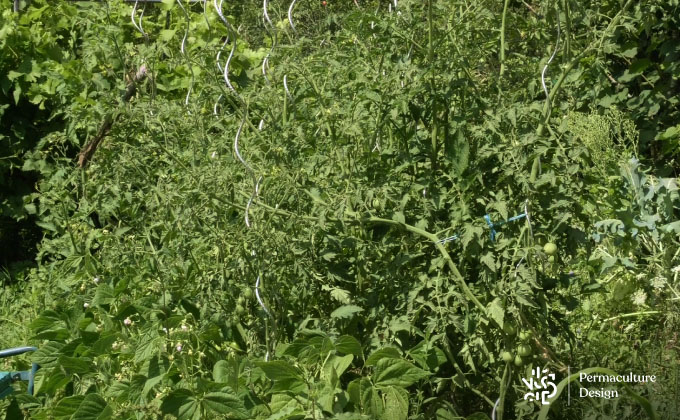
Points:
(524, 350)
(248, 293)
(550, 248)
(240, 300)
(510, 329)
(518, 361)
(524, 335)
(507, 356)
(234, 346)
(240, 310)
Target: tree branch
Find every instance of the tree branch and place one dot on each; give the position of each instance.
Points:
(87, 152)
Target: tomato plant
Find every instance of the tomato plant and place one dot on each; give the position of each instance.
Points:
(294, 211)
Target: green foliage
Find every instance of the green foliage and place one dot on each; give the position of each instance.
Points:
(152, 297)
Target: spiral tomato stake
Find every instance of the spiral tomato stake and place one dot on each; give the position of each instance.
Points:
(265, 13)
(290, 15)
(182, 49)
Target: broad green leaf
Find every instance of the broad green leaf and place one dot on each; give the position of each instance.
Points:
(47, 354)
(284, 407)
(17, 93)
(67, 406)
(396, 404)
(182, 404)
(75, 365)
(48, 320)
(119, 391)
(167, 34)
(397, 372)
(225, 403)
(470, 233)
(670, 133)
(364, 396)
(635, 69)
(341, 295)
(300, 348)
(221, 371)
(489, 261)
(104, 343)
(376, 356)
(93, 407)
(148, 345)
(82, 407)
(326, 396)
(348, 345)
(401, 323)
(338, 364)
(399, 217)
(346, 311)
(103, 295)
(47, 225)
(496, 311)
(150, 384)
(277, 370)
(286, 377)
(48, 381)
(671, 227)
(427, 356)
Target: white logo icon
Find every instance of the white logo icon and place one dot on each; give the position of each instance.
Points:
(539, 386)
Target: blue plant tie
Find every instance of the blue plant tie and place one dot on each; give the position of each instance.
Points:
(493, 225)
(490, 223)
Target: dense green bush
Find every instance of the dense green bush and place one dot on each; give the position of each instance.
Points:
(166, 287)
